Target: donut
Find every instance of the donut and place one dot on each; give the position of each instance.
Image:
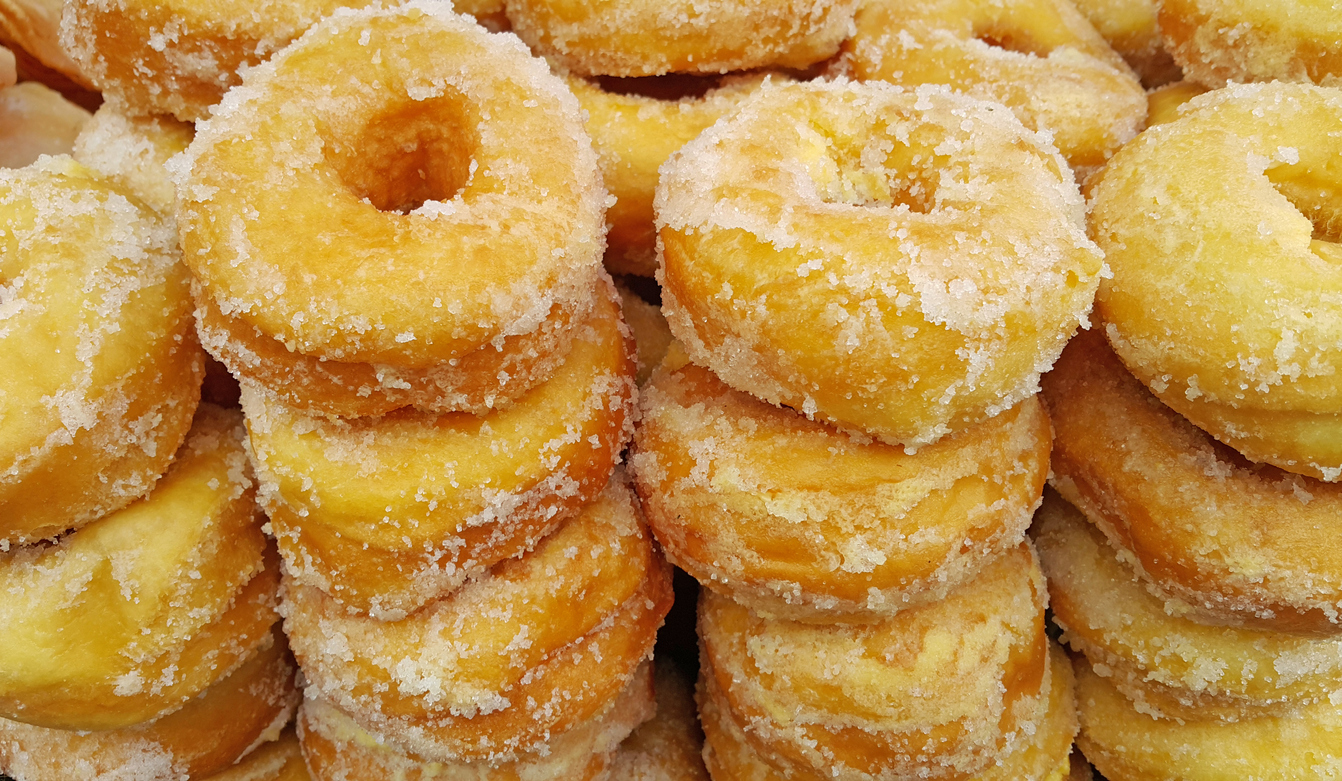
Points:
(386, 514)
(1129, 27)
(940, 691)
(8, 68)
(278, 760)
(818, 252)
(32, 27)
(1176, 667)
(529, 650)
(796, 520)
(131, 616)
(636, 124)
(240, 711)
(134, 153)
(667, 747)
(1041, 757)
(1248, 352)
(99, 371)
(1124, 743)
(35, 121)
(1163, 103)
(1220, 539)
(1039, 57)
(337, 748)
(1217, 42)
(637, 38)
(652, 337)
(413, 178)
(488, 13)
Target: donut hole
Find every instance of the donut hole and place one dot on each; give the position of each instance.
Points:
(869, 169)
(1318, 201)
(1014, 39)
(409, 153)
(672, 87)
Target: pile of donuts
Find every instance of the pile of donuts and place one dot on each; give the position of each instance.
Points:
(317, 391)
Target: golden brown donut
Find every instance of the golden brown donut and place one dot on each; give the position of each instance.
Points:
(1163, 103)
(1221, 539)
(1125, 744)
(794, 519)
(1041, 757)
(819, 252)
(1176, 667)
(1248, 352)
(99, 369)
(528, 650)
(337, 749)
(1129, 26)
(1041, 58)
(944, 690)
(238, 712)
(133, 615)
(639, 38)
(669, 746)
(388, 251)
(1218, 41)
(386, 514)
(134, 152)
(652, 336)
(36, 120)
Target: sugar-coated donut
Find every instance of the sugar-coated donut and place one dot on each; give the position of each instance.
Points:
(1125, 744)
(239, 712)
(280, 759)
(176, 56)
(134, 614)
(338, 749)
(941, 691)
(134, 152)
(1175, 666)
(794, 519)
(529, 650)
(1040, 757)
(669, 746)
(1129, 26)
(867, 254)
(1250, 352)
(639, 38)
(35, 121)
(99, 369)
(636, 124)
(386, 514)
(1163, 103)
(1041, 58)
(396, 179)
(1221, 41)
(1227, 541)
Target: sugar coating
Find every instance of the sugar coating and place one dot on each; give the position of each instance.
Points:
(1191, 669)
(508, 660)
(635, 38)
(1041, 58)
(893, 262)
(36, 121)
(941, 688)
(1250, 352)
(101, 373)
(441, 497)
(340, 749)
(1223, 540)
(668, 746)
(1218, 42)
(134, 152)
(797, 520)
(388, 170)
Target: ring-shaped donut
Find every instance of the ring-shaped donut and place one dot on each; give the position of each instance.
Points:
(208, 735)
(1229, 541)
(868, 255)
(536, 646)
(1044, 755)
(442, 497)
(99, 369)
(337, 748)
(414, 229)
(795, 520)
(1041, 58)
(637, 38)
(133, 615)
(1217, 42)
(940, 691)
(1176, 666)
(1250, 352)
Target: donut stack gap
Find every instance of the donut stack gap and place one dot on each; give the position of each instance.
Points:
(845, 446)
(438, 385)
(1194, 577)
